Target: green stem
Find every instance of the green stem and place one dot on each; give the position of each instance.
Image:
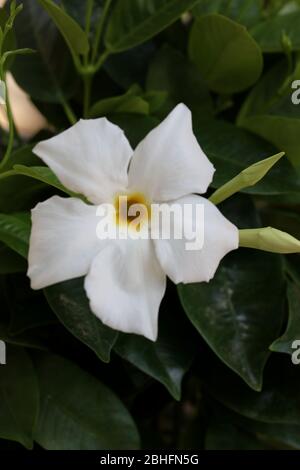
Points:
(101, 60)
(88, 17)
(68, 110)
(87, 82)
(99, 29)
(11, 127)
(6, 174)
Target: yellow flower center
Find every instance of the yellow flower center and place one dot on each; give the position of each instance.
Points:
(132, 209)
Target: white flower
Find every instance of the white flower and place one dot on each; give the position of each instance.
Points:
(125, 279)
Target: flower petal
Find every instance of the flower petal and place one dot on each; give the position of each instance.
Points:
(169, 162)
(219, 236)
(90, 158)
(125, 286)
(63, 241)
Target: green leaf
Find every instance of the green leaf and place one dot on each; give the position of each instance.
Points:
(49, 74)
(224, 435)
(167, 359)
(135, 127)
(231, 149)
(134, 21)
(269, 239)
(239, 313)
(69, 302)
(270, 435)
(28, 193)
(172, 72)
(74, 36)
(292, 332)
(248, 177)
(268, 34)
(229, 59)
(15, 231)
(246, 12)
(129, 102)
(10, 261)
(44, 174)
(269, 112)
(8, 54)
(276, 403)
(77, 412)
(19, 397)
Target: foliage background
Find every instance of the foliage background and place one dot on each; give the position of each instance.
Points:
(220, 375)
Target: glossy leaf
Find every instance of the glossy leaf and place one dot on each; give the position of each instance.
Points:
(19, 397)
(228, 58)
(130, 102)
(172, 72)
(134, 21)
(48, 75)
(10, 261)
(246, 12)
(276, 403)
(167, 359)
(43, 174)
(232, 149)
(223, 435)
(268, 34)
(292, 332)
(239, 313)
(269, 112)
(78, 412)
(74, 36)
(15, 231)
(69, 302)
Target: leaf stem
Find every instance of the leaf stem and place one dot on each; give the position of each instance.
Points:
(10, 123)
(8, 173)
(88, 17)
(87, 82)
(68, 110)
(99, 29)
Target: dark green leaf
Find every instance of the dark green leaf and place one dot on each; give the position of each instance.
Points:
(239, 313)
(247, 12)
(285, 342)
(223, 435)
(269, 112)
(69, 301)
(44, 174)
(19, 397)
(49, 74)
(135, 127)
(228, 58)
(10, 261)
(15, 231)
(167, 359)
(129, 102)
(278, 402)
(231, 150)
(134, 21)
(78, 412)
(74, 36)
(268, 34)
(171, 72)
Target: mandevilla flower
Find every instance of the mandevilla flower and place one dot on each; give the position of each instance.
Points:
(125, 279)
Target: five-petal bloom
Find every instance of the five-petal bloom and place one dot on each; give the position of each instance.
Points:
(125, 278)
